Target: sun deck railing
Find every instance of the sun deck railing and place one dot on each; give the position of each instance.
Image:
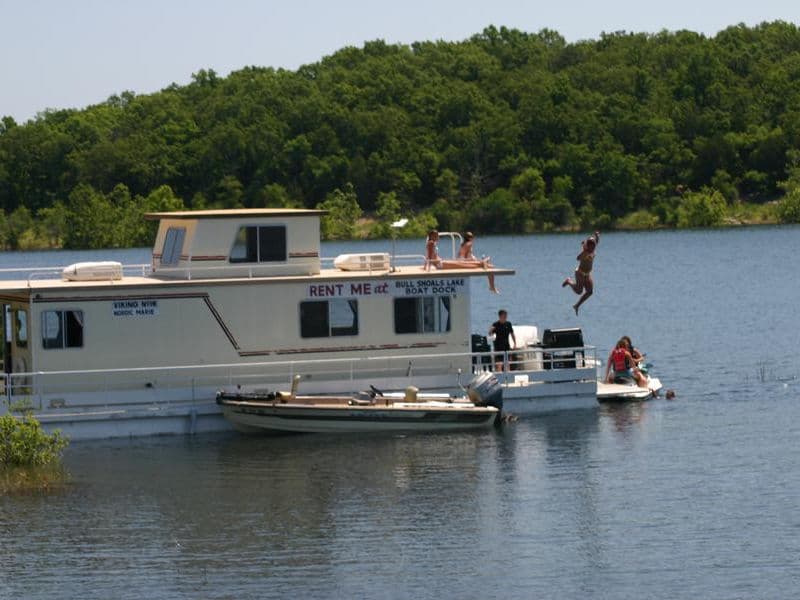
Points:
(149, 385)
(41, 273)
(194, 271)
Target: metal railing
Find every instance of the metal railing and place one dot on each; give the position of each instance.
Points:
(194, 271)
(146, 385)
(42, 273)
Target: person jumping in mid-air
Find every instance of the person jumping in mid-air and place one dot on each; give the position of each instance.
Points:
(583, 283)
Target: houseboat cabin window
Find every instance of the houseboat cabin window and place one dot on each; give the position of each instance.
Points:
(173, 246)
(422, 315)
(62, 329)
(327, 318)
(21, 328)
(264, 243)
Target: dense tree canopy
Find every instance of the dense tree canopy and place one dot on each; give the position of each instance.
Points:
(505, 131)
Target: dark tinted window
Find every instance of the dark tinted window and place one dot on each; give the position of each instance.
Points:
(422, 315)
(314, 319)
(326, 318)
(405, 315)
(272, 244)
(62, 329)
(266, 243)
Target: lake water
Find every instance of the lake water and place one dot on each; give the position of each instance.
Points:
(691, 498)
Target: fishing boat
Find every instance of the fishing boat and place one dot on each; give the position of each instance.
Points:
(245, 297)
(373, 411)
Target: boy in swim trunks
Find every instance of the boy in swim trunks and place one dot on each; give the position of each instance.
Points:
(583, 283)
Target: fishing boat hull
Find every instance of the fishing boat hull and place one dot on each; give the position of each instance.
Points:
(254, 416)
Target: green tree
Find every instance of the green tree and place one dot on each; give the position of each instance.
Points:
(446, 185)
(23, 442)
(274, 195)
(52, 224)
(229, 193)
(92, 219)
(788, 208)
(499, 212)
(640, 219)
(706, 208)
(387, 211)
(142, 233)
(613, 126)
(343, 214)
(4, 229)
(529, 186)
(20, 225)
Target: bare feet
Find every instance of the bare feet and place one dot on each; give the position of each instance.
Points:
(494, 290)
(566, 282)
(576, 307)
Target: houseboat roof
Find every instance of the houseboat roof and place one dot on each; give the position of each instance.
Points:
(35, 285)
(235, 213)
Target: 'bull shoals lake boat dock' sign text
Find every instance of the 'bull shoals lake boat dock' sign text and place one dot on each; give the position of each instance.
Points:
(400, 287)
(134, 308)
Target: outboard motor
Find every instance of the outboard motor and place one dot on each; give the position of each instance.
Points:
(485, 390)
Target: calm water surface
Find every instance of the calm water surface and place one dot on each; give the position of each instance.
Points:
(693, 498)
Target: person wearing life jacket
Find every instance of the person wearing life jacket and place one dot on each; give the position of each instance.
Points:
(619, 364)
(635, 353)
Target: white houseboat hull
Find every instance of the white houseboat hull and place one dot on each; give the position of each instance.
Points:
(170, 407)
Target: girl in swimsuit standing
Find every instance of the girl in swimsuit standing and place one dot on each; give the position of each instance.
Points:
(583, 274)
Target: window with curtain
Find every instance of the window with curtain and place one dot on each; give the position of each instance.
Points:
(328, 318)
(62, 329)
(430, 314)
(21, 328)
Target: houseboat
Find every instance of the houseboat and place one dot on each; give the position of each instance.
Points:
(243, 298)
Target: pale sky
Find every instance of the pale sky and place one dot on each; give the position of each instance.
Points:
(72, 53)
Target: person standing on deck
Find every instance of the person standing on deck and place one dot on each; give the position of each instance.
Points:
(502, 330)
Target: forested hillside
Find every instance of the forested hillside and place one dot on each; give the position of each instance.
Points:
(506, 131)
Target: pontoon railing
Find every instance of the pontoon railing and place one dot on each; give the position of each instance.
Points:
(194, 271)
(565, 364)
